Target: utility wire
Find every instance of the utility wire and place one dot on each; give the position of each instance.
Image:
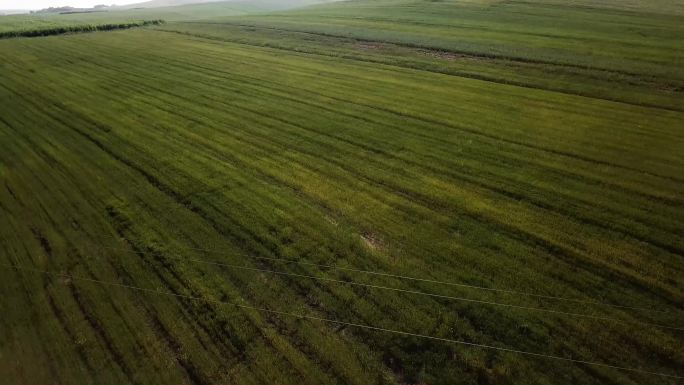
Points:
(357, 325)
(411, 278)
(407, 291)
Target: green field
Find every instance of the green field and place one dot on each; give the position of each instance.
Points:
(363, 192)
(184, 12)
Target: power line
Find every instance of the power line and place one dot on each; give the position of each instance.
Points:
(418, 279)
(357, 325)
(406, 291)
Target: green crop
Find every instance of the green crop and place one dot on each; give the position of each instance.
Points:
(520, 162)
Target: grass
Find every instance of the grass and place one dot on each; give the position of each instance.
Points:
(645, 44)
(185, 12)
(132, 156)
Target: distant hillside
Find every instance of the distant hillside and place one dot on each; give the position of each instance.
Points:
(146, 4)
(177, 5)
(264, 4)
(48, 19)
(13, 11)
(163, 3)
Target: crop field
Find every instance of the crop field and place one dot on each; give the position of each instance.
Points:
(364, 192)
(22, 22)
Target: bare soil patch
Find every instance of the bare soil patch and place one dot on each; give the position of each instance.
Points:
(372, 241)
(445, 55)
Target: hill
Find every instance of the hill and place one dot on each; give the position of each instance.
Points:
(203, 10)
(4, 12)
(163, 3)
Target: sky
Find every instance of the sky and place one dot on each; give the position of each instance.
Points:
(40, 4)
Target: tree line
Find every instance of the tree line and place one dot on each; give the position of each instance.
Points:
(59, 30)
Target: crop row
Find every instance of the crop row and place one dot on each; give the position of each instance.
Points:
(175, 144)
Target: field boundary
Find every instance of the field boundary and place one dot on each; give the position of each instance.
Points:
(62, 30)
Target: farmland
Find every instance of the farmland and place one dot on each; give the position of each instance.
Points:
(40, 21)
(364, 192)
